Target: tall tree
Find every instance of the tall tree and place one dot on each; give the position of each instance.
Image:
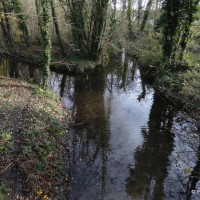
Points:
(113, 16)
(176, 20)
(40, 20)
(56, 25)
(5, 9)
(98, 20)
(171, 14)
(46, 5)
(88, 25)
(124, 7)
(146, 15)
(17, 8)
(139, 11)
(76, 16)
(191, 9)
(129, 17)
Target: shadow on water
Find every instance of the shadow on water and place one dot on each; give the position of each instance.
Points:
(126, 142)
(15, 69)
(89, 138)
(152, 158)
(194, 179)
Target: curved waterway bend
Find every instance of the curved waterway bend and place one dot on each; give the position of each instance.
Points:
(126, 142)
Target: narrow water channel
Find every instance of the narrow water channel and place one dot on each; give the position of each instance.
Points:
(126, 142)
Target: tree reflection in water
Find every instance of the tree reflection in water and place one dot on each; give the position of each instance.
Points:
(89, 137)
(194, 179)
(15, 69)
(109, 106)
(152, 158)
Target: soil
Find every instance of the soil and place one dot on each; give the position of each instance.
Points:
(32, 129)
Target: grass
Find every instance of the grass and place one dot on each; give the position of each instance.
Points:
(32, 128)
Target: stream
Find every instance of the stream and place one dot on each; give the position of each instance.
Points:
(127, 142)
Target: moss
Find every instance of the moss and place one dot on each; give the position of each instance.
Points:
(46, 37)
(85, 65)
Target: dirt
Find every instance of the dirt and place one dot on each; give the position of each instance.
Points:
(33, 124)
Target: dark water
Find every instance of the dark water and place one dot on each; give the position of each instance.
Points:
(127, 141)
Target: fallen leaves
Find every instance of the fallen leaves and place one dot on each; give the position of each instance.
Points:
(30, 138)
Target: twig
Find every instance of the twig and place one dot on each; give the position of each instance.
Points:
(7, 167)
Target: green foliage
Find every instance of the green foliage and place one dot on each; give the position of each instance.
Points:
(45, 93)
(147, 50)
(187, 171)
(6, 142)
(2, 191)
(6, 136)
(191, 85)
(169, 81)
(190, 59)
(176, 21)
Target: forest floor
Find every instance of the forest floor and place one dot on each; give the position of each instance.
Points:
(33, 123)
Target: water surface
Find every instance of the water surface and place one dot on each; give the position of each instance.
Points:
(127, 142)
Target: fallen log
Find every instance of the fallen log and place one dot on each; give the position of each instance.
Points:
(60, 67)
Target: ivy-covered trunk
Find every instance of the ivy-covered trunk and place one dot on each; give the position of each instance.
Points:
(139, 11)
(46, 38)
(176, 20)
(129, 18)
(17, 7)
(146, 15)
(40, 20)
(88, 21)
(171, 14)
(78, 24)
(191, 8)
(5, 23)
(113, 15)
(99, 22)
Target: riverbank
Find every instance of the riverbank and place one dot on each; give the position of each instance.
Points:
(33, 124)
(71, 64)
(181, 83)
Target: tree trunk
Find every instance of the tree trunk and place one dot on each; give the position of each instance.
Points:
(113, 18)
(5, 31)
(22, 21)
(78, 24)
(191, 10)
(123, 7)
(40, 22)
(55, 21)
(139, 12)
(46, 39)
(146, 15)
(88, 25)
(129, 18)
(5, 23)
(99, 22)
